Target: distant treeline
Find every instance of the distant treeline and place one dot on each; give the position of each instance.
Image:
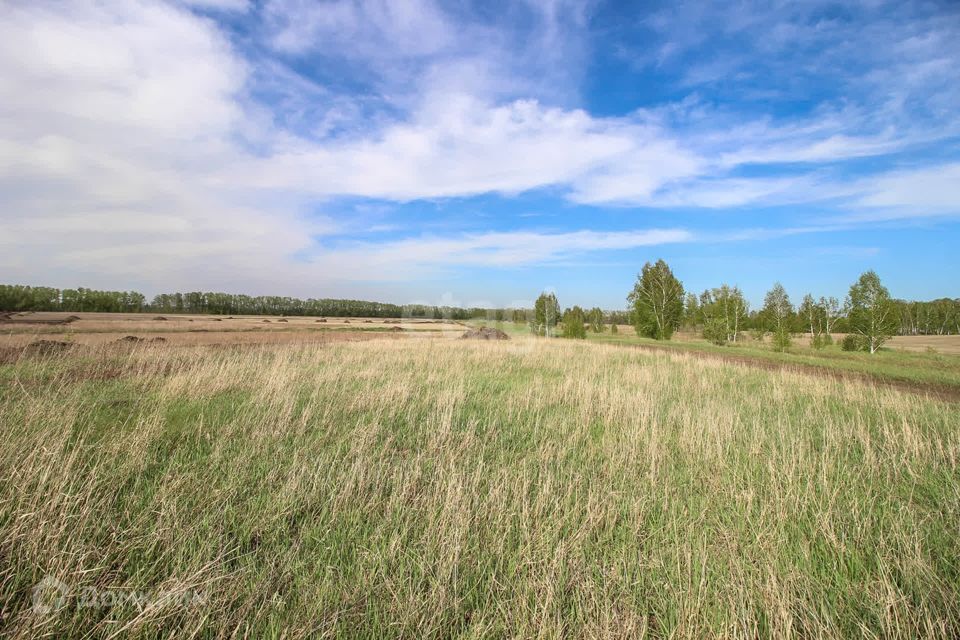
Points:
(935, 317)
(26, 298)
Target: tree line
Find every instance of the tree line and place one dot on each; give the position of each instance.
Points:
(659, 306)
(27, 298)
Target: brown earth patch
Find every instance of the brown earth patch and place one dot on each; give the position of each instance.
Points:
(48, 347)
(485, 333)
(138, 340)
(9, 318)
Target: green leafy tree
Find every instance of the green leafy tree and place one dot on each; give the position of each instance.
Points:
(546, 314)
(830, 308)
(812, 315)
(573, 323)
(778, 316)
(595, 318)
(613, 328)
(657, 301)
(691, 311)
(723, 311)
(873, 316)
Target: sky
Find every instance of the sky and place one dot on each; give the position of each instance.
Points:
(477, 153)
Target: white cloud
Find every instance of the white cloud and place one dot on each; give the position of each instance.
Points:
(910, 193)
(459, 146)
(410, 257)
(111, 115)
(218, 5)
(366, 29)
(131, 142)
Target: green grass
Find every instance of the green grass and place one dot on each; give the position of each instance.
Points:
(941, 370)
(444, 489)
(889, 364)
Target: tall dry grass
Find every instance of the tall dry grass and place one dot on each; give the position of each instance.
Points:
(441, 488)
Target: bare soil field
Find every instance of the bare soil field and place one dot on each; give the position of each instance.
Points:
(19, 330)
(949, 345)
(940, 344)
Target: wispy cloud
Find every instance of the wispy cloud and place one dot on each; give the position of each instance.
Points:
(419, 256)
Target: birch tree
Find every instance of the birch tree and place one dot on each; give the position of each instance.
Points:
(873, 315)
(657, 301)
(546, 314)
(777, 311)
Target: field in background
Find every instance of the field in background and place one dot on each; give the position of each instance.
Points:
(185, 329)
(914, 366)
(432, 488)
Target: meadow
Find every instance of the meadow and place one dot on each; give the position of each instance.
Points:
(929, 364)
(436, 488)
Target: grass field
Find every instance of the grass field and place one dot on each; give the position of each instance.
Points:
(930, 363)
(442, 488)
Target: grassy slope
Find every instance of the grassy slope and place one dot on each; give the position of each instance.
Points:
(428, 489)
(887, 364)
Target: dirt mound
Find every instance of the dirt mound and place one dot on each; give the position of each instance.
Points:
(321, 320)
(282, 320)
(264, 321)
(159, 318)
(22, 318)
(484, 333)
(138, 340)
(48, 347)
(395, 329)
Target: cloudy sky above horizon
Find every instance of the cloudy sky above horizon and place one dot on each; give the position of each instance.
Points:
(476, 153)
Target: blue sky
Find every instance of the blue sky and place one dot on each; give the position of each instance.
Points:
(478, 153)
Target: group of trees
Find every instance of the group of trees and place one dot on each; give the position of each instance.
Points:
(573, 322)
(225, 303)
(659, 306)
(869, 314)
(936, 317)
(25, 298)
(722, 313)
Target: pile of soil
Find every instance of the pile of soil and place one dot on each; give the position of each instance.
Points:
(138, 340)
(395, 329)
(48, 347)
(321, 320)
(282, 320)
(159, 318)
(265, 321)
(23, 319)
(484, 333)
